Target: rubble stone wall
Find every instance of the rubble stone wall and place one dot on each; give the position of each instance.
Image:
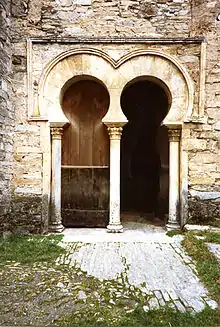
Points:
(204, 154)
(76, 18)
(6, 112)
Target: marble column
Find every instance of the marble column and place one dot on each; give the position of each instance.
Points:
(174, 179)
(115, 225)
(55, 215)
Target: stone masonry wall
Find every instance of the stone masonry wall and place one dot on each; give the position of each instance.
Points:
(204, 147)
(161, 18)
(6, 112)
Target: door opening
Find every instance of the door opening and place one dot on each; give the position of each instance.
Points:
(144, 152)
(85, 156)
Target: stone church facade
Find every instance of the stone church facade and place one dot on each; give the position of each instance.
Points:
(107, 109)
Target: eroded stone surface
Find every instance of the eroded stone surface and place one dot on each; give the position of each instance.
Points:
(152, 263)
(105, 280)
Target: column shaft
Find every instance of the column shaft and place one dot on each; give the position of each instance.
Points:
(55, 219)
(114, 214)
(174, 180)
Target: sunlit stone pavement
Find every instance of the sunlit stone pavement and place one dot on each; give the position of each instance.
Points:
(148, 261)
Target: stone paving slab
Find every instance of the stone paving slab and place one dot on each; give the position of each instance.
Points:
(104, 276)
(214, 248)
(152, 263)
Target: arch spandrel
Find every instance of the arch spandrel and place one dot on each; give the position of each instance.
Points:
(166, 71)
(65, 70)
(115, 74)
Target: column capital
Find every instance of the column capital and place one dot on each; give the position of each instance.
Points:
(115, 133)
(174, 134)
(56, 133)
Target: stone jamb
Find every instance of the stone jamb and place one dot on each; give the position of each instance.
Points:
(201, 108)
(45, 141)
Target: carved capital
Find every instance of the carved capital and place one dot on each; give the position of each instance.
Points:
(174, 135)
(56, 133)
(115, 133)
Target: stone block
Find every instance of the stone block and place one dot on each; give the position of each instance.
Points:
(205, 195)
(82, 2)
(196, 144)
(203, 158)
(197, 180)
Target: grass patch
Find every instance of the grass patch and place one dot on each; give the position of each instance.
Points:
(171, 318)
(209, 236)
(207, 264)
(172, 233)
(30, 249)
(166, 317)
(212, 237)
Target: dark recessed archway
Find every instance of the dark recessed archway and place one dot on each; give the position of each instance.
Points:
(144, 150)
(85, 155)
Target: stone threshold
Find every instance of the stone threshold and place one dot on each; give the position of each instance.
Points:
(132, 232)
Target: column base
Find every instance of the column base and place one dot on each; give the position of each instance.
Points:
(56, 228)
(172, 226)
(115, 228)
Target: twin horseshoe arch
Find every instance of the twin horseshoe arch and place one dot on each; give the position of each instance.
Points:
(153, 64)
(71, 65)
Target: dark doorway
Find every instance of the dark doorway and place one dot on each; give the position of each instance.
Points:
(144, 152)
(85, 156)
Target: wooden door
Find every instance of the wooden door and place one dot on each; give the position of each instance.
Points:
(85, 156)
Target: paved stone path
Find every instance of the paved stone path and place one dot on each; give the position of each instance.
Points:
(105, 277)
(214, 248)
(146, 259)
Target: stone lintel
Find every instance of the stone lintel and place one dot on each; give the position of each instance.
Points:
(150, 40)
(58, 124)
(114, 124)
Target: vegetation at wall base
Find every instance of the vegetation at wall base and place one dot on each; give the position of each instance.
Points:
(30, 249)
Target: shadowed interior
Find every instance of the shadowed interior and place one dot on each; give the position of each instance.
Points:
(144, 152)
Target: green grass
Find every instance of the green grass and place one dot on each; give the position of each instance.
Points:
(172, 233)
(171, 318)
(30, 249)
(155, 318)
(212, 237)
(209, 236)
(207, 265)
